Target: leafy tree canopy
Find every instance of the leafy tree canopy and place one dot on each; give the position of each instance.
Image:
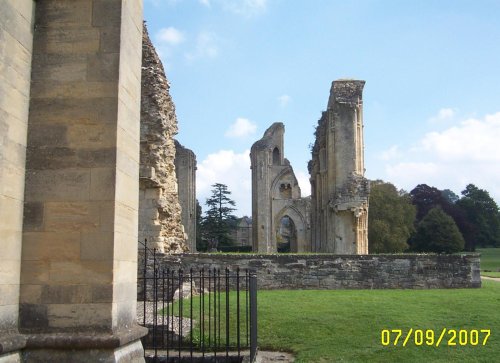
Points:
(483, 213)
(438, 232)
(391, 218)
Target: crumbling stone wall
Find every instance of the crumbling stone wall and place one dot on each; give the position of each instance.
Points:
(339, 190)
(328, 272)
(159, 209)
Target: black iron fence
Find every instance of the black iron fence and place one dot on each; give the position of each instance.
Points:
(193, 316)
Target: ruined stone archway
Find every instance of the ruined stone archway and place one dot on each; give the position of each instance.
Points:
(298, 229)
(274, 189)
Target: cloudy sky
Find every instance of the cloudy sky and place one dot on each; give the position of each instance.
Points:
(431, 100)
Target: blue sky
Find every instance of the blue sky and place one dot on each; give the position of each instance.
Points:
(431, 100)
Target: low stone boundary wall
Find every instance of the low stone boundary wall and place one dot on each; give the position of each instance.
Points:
(325, 271)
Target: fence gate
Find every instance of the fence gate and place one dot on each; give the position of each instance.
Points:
(205, 315)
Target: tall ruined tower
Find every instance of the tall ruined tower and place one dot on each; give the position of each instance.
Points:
(339, 190)
(276, 197)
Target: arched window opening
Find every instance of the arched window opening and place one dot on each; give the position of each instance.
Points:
(286, 236)
(276, 156)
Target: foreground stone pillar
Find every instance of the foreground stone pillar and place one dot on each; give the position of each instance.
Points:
(16, 38)
(79, 256)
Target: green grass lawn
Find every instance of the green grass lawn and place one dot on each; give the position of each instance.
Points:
(490, 261)
(346, 325)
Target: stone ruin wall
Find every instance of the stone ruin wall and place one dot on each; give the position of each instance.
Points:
(185, 169)
(331, 272)
(159, 208)
(339, 190)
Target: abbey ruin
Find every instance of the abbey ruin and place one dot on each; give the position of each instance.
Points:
(335, 218)
(276, 196)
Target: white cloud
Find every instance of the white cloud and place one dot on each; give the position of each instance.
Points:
(304, 183)
(244, 7)
(205, 3)
(232, 169)
(444, 114)
(284, 100)
(391, 153)
(170, 36)
(206, 46)
(241, 127)
(452, 158)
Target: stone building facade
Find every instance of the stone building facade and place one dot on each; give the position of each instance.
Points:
(159, 208)
(339, 190)
(185, 169)
(242, 232)
(70, 105)
(276, 196)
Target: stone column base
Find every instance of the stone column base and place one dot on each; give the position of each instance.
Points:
(118, 347)
(131, 352)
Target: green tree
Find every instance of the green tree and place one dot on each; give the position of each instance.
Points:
(391, 218)
(425, 198)
(216, 225)
(438, 232)
(201, 245)
(483, 214)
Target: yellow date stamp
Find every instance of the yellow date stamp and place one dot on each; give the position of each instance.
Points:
(430, 337)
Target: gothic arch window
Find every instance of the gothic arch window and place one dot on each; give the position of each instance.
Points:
(276, 156)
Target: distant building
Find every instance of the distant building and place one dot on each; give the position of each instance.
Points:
(242, 234)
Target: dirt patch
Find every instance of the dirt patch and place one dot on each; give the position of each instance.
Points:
(268, 357)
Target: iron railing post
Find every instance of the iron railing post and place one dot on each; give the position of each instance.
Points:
(253, 315)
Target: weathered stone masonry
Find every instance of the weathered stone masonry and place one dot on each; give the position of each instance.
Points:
(185, 169)
(159, 209)
(339, 190)
(78, 250)
(324, 271)
(276, 194)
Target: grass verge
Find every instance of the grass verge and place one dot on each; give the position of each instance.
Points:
(490, 261)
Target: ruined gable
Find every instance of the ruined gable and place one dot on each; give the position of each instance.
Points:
(159, 208)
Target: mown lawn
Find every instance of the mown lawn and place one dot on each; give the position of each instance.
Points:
(346, 325)
(490, 261)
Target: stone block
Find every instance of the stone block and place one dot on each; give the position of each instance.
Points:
(40, 135)
(72, 185)
(110, 39)
(66, 294)
(35, 272)
(9, 293)
(91, 135)
(102, 183)
(11, 217)
(14, 102)
(103, 67)
(56, 13)
(126, 220)
(51, 246)
(33, 317)
(102, 293)
(107, 12)
(81, 316)
(80, 272)
(33, 216)
(66, 39)
(60, 68)
(31, 294)
(96, 246)
(73, 90)
(71, 216)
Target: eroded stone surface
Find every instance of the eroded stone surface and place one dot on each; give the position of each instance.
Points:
(339, 190)
(159, 209)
